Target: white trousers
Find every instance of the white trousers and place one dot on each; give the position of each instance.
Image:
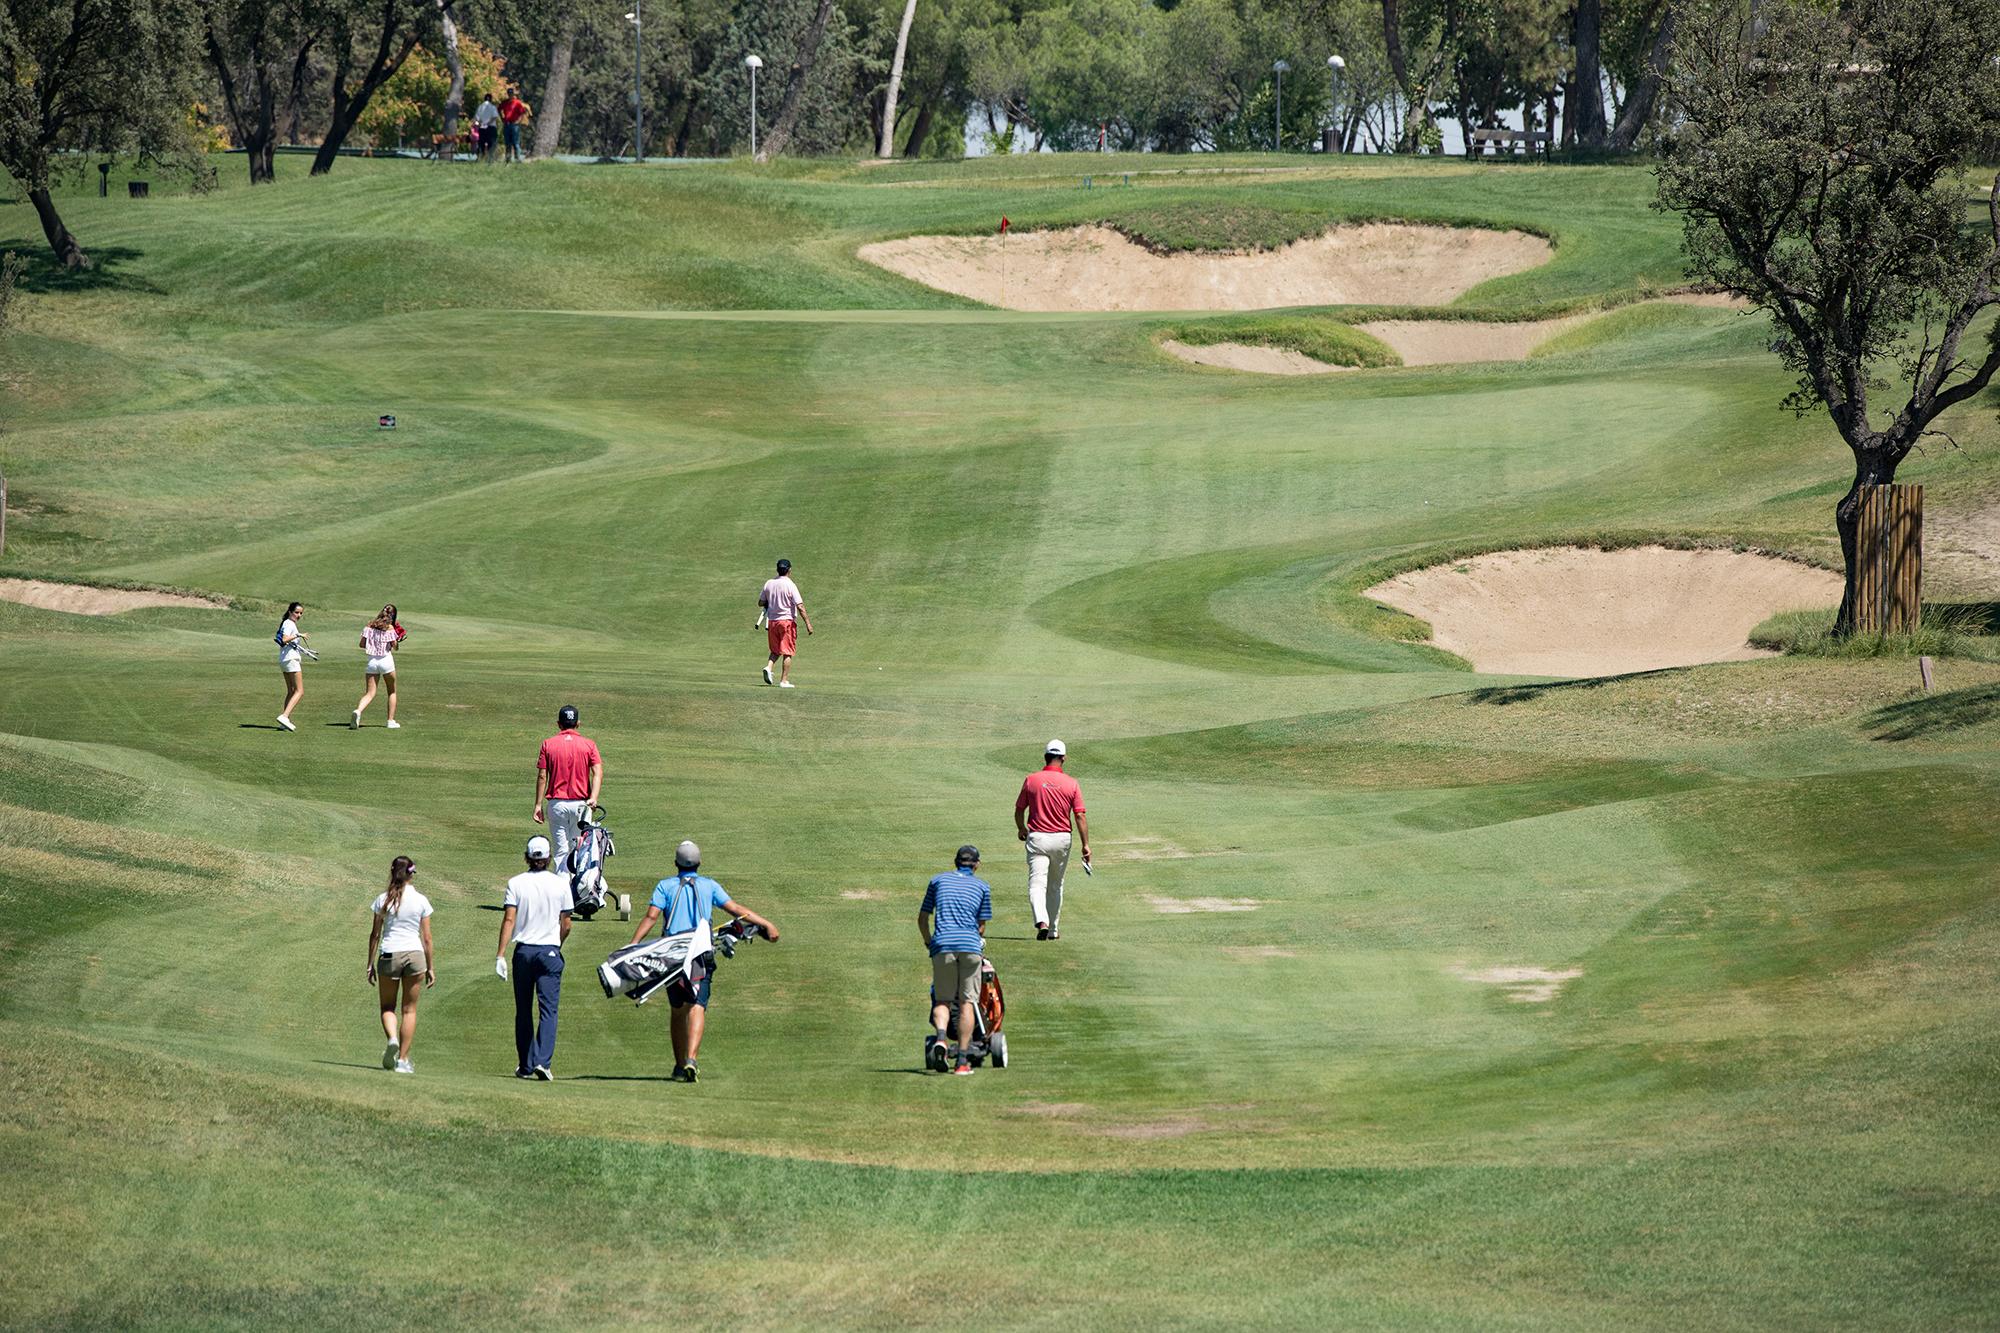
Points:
(1048, 858)
(563, 818)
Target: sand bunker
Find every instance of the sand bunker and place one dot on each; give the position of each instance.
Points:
(1442, 342)
(1184, 906)
(1247, 356)
(1571, 611)
(1096, 268)
(79, 600)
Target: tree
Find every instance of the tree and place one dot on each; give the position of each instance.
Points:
(782, 128)
(369, 40)
(555, 91)
(896, 80)
(256, 48)
(1584, 111)
(413, 104)
(1815, 168)
(1652, 51)
(91, 76)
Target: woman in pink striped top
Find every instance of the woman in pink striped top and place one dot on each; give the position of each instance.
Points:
(379, 639)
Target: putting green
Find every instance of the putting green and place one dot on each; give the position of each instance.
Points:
(1401, 995)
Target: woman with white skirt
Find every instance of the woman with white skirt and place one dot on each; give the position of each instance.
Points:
(291, 664)
(379, 640)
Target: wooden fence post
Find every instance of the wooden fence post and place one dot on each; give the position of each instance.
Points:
(1889, 559)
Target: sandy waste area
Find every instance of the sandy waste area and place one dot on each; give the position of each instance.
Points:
(83, 601)
(1096, 268)
(1572, 611)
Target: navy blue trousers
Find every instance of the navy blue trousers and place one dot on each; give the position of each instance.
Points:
(537, 974)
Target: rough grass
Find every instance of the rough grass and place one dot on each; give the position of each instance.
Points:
(1942, 631)
(1322, 339)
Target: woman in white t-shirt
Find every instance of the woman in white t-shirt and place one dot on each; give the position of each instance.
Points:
(399, 956)
(379, 639)
(291, 639)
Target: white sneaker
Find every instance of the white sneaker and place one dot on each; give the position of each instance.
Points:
(785, 685)
(390, 1053)
(405, 1067)
(354, 720)
(393, 725)
(767, 675)
(286, 723)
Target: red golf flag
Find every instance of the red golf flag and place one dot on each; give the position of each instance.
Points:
(1003, 224)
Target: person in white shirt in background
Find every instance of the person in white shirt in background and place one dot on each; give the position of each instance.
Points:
(487, 121)
(291, 639)
(400, 956)
(378, 639)
(781, 609)
(537, 920)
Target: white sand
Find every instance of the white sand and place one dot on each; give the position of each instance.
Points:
(1570, 611)
(1250, 357)
(1096, 268)
(1442, 342)
(80, 600)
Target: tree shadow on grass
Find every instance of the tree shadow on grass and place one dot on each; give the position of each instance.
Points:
(41, 274)
(1935, 714)
(1503, 695)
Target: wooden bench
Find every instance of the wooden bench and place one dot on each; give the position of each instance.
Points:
(1506, 141)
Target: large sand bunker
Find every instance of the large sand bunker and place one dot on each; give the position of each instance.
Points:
(1572, 611)
(77, 599)
(1096, 268)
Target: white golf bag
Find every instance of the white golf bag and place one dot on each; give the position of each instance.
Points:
(585, 864)
(642, 970)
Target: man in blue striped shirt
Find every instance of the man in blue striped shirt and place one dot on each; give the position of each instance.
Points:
(952, 922)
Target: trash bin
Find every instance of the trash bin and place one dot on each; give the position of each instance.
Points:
(139, 189)
(1329, 141)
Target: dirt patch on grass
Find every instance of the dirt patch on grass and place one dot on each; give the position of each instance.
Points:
(1441, 342)
(1574, 611)
(1522, 985)
(77, 599)
(1052, 1110)
(1257, 952)
(1185, 906)
(1096, 268)
(1166, 1127)
(1144, 849)
(1248, 356)
(1964, 542)
(863, 895)
(1708, 300)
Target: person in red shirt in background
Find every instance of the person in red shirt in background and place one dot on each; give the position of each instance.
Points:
(1042, 813)
(570, 774)
(512, 112)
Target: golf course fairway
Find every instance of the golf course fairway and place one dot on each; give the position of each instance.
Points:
(1401, 996)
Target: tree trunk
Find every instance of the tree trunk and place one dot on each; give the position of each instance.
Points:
(1587, 116)
(68, 253)
(1639, 100)
(787, 122)
(920, 128)
(548, 123)
(1872, 467)
(687, 125)
(454, 98)
(896, 81)
(348, 106)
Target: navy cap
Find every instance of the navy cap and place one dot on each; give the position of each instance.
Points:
(968, 855)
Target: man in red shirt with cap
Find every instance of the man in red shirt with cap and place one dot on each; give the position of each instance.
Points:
(1049, 799)
(569, 774)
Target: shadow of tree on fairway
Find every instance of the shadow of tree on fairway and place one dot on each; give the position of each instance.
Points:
(108, 272)
(1935, 715)
(1503, 695)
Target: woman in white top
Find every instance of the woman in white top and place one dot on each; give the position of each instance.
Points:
(379, 639)
(291, 639)
(399, 955)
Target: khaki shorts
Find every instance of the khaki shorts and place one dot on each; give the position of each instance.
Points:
(402, 963)
(955, 976)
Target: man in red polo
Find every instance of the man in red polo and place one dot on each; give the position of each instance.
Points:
(1049, 799)
(569, 773)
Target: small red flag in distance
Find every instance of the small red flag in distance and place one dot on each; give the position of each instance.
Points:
(1003, 224)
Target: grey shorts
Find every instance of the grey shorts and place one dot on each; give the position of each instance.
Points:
(955, 976)
(403, 963)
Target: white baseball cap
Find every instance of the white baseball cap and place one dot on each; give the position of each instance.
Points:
(1054, 747)
(538, 846)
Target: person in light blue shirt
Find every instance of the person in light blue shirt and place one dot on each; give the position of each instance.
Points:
(952, 922)
(685, 901)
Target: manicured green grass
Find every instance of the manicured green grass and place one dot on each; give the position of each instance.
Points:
(1757, 1090)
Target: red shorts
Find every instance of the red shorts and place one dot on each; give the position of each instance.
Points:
(783, 636)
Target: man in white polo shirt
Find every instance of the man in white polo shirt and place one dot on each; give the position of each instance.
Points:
(536, 919)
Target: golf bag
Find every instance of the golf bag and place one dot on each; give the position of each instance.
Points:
(987, 1040)
(585, 863)
(641, 970)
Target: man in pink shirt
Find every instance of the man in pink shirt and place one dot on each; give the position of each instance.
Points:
(569, 773)
(780, 611)
(1049, 799)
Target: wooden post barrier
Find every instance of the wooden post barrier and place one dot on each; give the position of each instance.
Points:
(1889, 559)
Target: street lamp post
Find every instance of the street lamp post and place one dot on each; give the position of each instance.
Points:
(755, 63)
(1334, 65)
(1278, 116)
(637, 19)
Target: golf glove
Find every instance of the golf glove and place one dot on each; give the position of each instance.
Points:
(500, 968)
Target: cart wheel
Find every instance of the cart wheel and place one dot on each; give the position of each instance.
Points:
(997, 1046)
